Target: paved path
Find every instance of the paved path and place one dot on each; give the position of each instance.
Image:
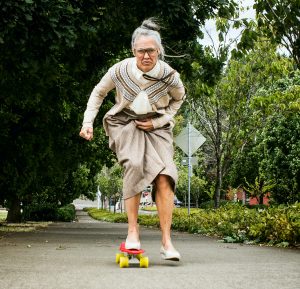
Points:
(81, 255)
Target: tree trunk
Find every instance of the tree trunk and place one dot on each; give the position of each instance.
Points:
(261, 199)
(218, 153)
(115, 204)
(261, 196)
(218, 186)
(14, 212)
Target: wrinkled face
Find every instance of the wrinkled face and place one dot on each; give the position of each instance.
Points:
(146, 53)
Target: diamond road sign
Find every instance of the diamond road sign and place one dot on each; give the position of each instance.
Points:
(196, 140)
(185, 161)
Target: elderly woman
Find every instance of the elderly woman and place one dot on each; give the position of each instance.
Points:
(139, 126)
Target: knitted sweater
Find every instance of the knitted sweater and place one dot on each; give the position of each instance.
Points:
(165, 97)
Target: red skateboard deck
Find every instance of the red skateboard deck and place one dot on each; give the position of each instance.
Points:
(130, 251)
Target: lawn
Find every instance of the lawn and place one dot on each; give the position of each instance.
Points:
(3, 215)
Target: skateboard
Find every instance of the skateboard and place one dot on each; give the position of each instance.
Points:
(123, 258)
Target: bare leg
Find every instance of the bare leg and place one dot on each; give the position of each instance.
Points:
(132, 208)
(164, 199)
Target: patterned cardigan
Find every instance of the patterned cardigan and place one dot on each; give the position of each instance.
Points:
(165, 96)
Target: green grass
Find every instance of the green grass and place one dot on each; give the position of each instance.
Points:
(3, 215)
(150, 209)
(19, 227)
(22, 227)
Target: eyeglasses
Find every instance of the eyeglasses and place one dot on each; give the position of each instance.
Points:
(150, 51)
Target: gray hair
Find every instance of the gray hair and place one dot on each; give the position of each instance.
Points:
(149, 28)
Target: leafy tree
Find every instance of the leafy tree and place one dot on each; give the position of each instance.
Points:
(110, 182)
(278, 139)
(281, 156)
(102, 180)
(41, 94)
(259, 188)
(222, 112)
(182, 185)
(198, 187)
(278, 21)
(273, 154)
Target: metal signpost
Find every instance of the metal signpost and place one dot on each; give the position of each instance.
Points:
(189, 140)
(190, 169)
(98, 197)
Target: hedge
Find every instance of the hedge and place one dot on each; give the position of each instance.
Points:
(49, 212)
(66, 213)
(232, 222)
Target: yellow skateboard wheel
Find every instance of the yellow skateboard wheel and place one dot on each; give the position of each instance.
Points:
(144, 262)
(118, 256)
(124, 262)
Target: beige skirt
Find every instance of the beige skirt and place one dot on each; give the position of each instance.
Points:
(143, 155)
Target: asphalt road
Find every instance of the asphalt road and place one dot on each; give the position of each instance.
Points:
(82, 255)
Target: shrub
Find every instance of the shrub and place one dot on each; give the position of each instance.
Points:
(49, 212)
(233, 222)
(149, 220)
(236, 223)
(105, 215)
(278, 224)
(40, 212)
(66, 213)
(211, 204)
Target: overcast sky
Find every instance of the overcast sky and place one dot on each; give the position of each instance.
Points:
(233, 33)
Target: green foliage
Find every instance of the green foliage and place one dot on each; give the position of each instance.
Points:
(238, 223)
(222, 112)
(278, 21)
(210, 204)
(40, 212)
(277, 143)
(259, 188)
(149, 220)
(110, 181)
(51, 55)
(276, 98)
(3, 215)
(49, 212)
(66, 213)
(104, 215)
(80, 179)
(233, 222)
(278, 224)
(280, 97)
(198, 186)
(280, 148)
(182, 185)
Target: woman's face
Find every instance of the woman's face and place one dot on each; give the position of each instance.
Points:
(146, 53)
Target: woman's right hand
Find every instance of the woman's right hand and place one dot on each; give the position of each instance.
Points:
(86, 133)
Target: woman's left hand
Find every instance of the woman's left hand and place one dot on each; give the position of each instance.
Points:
(144, 124)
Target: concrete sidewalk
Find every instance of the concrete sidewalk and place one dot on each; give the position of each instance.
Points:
(82, 255)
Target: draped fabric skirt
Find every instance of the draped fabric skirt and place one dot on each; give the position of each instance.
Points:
(143, 155)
